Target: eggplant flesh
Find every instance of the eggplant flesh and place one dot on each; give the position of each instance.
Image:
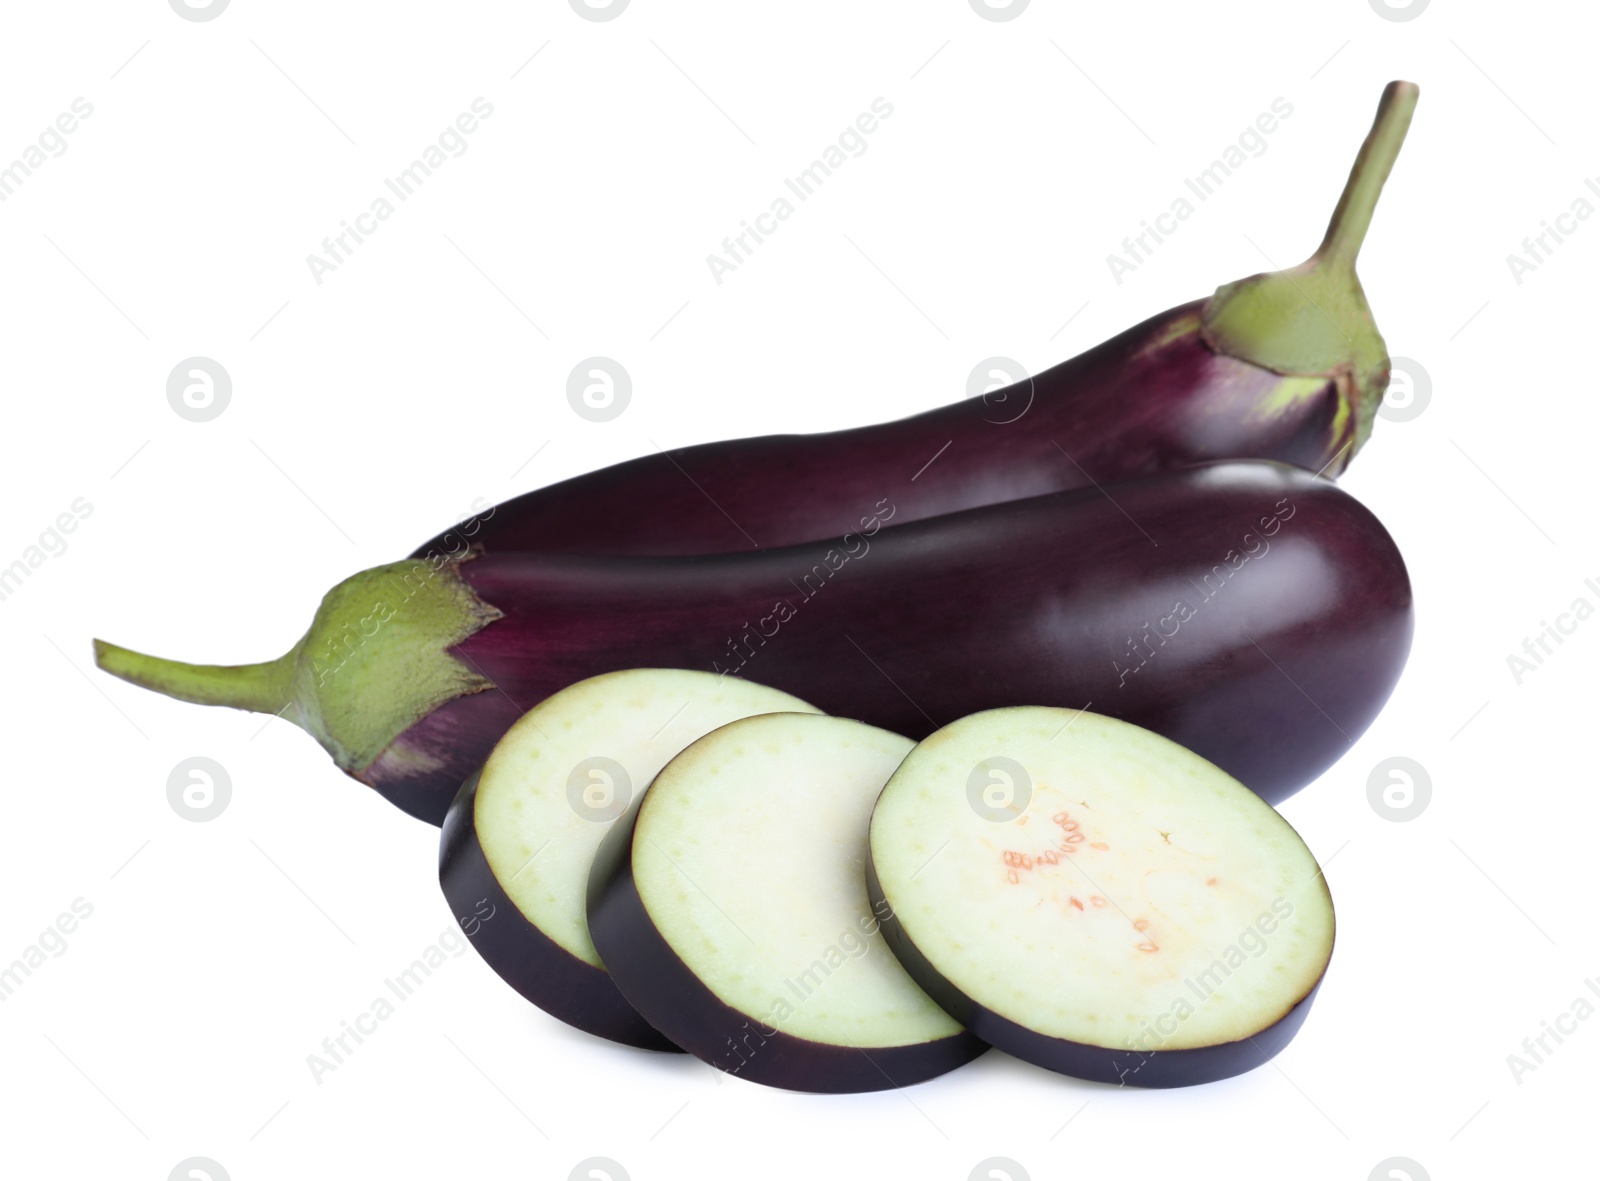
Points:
(1096, 900)
(519, 838)
(521, 953)
(731, 910)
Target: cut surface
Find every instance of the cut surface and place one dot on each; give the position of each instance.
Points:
(569, 768)
(749, 856)
(1095, 883)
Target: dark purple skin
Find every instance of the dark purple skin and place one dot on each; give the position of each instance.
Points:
(1102, 1064)
(524, 956)
(1042, 601)
(1154, 398)
(663, 988)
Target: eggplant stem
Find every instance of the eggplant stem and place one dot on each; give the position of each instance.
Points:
(1351, 217)
(263, 688)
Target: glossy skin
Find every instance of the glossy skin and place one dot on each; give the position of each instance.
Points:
(1046, 601)
(657, 982)
(1154, 398)
(524, 956)
(1123, 1068)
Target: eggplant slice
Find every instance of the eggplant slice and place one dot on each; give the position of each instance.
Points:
(732, 911)
(1095, 899)
(520, 836)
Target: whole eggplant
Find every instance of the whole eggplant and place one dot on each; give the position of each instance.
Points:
(1250, 611)
(1287, 366)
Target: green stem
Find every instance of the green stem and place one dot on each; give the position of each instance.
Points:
(1353, 214)
(265, 688)
(376, 660)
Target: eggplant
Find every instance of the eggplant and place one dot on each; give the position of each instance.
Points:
(518, 841)
(1286, 366)
(1097, 900)
(730, 908)
(1250, 611)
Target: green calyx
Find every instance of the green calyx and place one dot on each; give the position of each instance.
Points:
(375, 661)
(1313, 320)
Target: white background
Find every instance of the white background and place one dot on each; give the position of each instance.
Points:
(374, 408)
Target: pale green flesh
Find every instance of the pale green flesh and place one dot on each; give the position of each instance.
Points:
(537, 845)
(1145, 933)
(750, 858)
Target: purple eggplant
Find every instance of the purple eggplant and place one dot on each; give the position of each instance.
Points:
(1250, 611)
(1286, 366)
